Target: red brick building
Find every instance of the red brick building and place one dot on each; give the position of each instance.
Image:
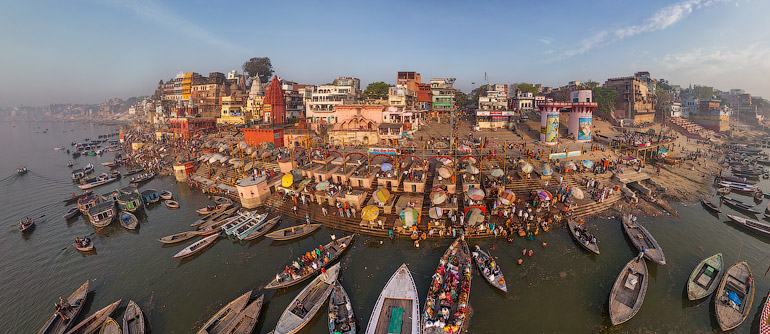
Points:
(255, 137)
(186, 127)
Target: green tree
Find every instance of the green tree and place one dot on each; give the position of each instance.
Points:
(461, 99)
(590, 85)
(527, 88)
(703, 92)
(259, 67)
(377, 90)
(477, 92)
(605, 98)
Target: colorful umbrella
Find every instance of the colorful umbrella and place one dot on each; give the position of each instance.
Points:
(570, 165)
(437, 196)
(547, 170)
(475, 216)
(287, 180)
(381, 195)
(497, 172)
(588, 163)
(476, 194)
(472, 169)
(507, 197)
(386, 167)
(409, 216)
(445, 172)
(544, 195)
(224, 159)
(527, 168)
(321, 186)
(370, 212)
(303, 183)
(435, 212)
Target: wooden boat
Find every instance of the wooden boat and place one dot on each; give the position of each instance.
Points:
(85, 203)
(433, 321)
(211, 229)
(751, 224)
(331, 252)
(220, 321)
(341, 317)
(734, 296)
(166, 194)
(144, 177)
(489, 269)
(26, 224)
(642, 239)
(22, 170)
(764, 322)
(293, 232)
(218, 218)
(245, 321)
(207, 210)
(249, 226)
(150, 196)
(57, 324)
(84, 245)
(250, 218)
(312, 297)
(97, 183)
(211, 216)
(130, 202)
(74, 198)
(582, 236)
(740, 206)
(102, 214)
(110, 326)
(128, 220)
(219, 200)
(710, 206)
(236, 220)
(197, 246)
(72, 212)
(628, 291)
(705, 277)
(397, 308)
(129, 189)
(171, 204)
(179, 237)
(133, 171)
(95, 321)
(261, 230)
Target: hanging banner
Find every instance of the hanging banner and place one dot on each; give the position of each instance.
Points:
(552, 128)
(584, 128)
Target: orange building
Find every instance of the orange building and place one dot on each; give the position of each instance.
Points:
(255, 137)
(186, 127)
(274, 104)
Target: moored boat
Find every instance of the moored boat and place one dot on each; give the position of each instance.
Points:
(74, 198)
(643, 240)
(111, 196)
(97, 183)
(171, 204)
(705, 278)
(87, 202)
(58, 324)
(128, 220)
(293, 232)
(710, 206)
(219, 322)
(179, 237)
(141, 178)
(628, 292)
(453, 275)
(245, 321)
(261, 230)
(489, 269)
(133, 171)
(307, 303)
(397, 308)
(197, 247)
(133, 319)
(740, 206)
(110, 326)
(102, 214)
(734, 296)
(130, 202)
(250, 225)
(150, 196)
(342, 320)
(166, 194)
(241, 219)
(301, 272)
(71, 212)
(95, 321)
(583, 237)
(751, 224)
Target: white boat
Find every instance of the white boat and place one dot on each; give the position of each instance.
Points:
(97, 183)
(311, 298)
(398, 296)
(252, 225)
(197, 246)
(241, 220)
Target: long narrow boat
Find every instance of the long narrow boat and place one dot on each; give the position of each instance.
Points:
(331, 252)
(246, 320)
(220, 321)
(489, 269)
(734, 296)
(261, 230)
(764, 320)
(239, 219)
(397, 308)
(250, 225)
(133, 319)
(57, 324)
(197, 246)
(179, 237)
(144, 177)
(628, 291)
(710, 206)
(128, 220)
(752, 225)
(740, 206)
(72, 212)
(341, 317)
(643, 241)
(211, 216)
(705, 277)
(110, 326)
(97, 183)
(437, 313)
(582, 236)
(95, 321)
(307, 303)
(74, 198)
(293, 232)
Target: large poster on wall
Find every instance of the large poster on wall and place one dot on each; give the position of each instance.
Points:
(584, 128)
(551, 128)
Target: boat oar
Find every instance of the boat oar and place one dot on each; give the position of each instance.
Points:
(17, 224)
(92, 233)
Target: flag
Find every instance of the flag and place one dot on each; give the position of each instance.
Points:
(485, 76)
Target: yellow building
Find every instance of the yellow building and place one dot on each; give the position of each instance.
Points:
(233, 112)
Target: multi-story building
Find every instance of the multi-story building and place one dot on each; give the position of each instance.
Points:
(525, 102)
(324, 98)
(208, 92)
(233, 111)
(711, 116)
(402, 97)
(495, 98)
(443, 94)
(636, 98)
(413, 82)
(747, 110)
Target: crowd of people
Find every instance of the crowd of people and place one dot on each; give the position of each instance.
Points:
(308, 263)
(446, 307)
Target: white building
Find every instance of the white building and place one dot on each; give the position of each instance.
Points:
(402, 97)
(524, 102)
(323, 99)
(496, 98)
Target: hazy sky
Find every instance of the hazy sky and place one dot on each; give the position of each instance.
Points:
(87, 51)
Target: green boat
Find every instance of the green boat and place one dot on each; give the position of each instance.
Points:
(705, 277)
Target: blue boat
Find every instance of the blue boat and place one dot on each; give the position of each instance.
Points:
(150, 196)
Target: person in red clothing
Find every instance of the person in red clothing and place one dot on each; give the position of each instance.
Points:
(323, 272)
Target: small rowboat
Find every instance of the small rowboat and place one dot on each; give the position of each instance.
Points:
(740, 206)
(581, 235)
(705, 277)
(734, 296)
(166, 194)
(246, 320)
(397, 308)
(628, 291)
(74, 198)
(331, 252)
(260, 231)
(710, 206)
(72, 212)
(128, 220)
(110, 326)
(642, 239)
(311, 298)
(341, 317)
(133, 319)
(489, 269)
(171, 204)
(293, 232)
(221, 320)
(179, 237)
(57, 324)
(84, 244)
(207, 210)
(26, 224)
(214, 217)
(197, 246)
(95, 321)
(751, 224)
(208, 230)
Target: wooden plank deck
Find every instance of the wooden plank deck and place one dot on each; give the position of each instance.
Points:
(388, 305)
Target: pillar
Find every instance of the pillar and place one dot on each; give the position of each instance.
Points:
(549, 124)
(580, 123)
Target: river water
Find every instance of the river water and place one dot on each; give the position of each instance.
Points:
(560, 289)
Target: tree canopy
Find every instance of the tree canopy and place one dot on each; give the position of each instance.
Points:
(376, 90)
(605, 98)
(461, 99)
(589, 85)
(477, 92)
(527, 88)
(259, 67)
